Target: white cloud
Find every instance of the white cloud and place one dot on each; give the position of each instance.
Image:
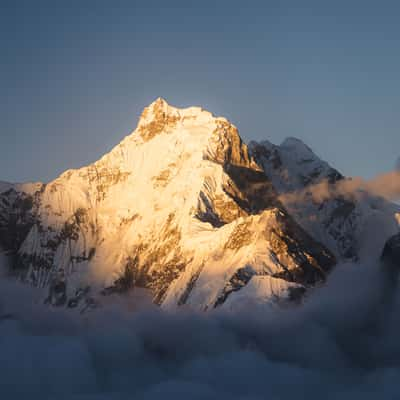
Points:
(342, 343)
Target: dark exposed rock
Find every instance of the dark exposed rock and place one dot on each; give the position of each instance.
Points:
(239, 279)
(80, 295)
(315, 261)
(210, 214)
(57, 289)
(229, 147)
(17, 216)
(251, 189)
(127, 281)
(391, 251)
(160, 119)
(184, 297)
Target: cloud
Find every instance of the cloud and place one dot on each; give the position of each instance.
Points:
(385, 185)
(341, 343)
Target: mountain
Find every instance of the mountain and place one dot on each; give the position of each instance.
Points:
(178, 207)
(352, 223)
(292, 165)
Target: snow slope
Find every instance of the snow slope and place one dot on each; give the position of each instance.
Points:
(178, 207)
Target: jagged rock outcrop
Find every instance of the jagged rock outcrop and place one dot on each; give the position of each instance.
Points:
(178, 207)
(18, 205)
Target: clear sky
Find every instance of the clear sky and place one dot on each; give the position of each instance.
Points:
(75, 76)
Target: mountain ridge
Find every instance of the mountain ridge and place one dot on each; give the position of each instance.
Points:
(180, 206)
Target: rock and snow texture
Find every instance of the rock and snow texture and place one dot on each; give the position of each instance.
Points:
(353, 224)
(178, 207)
(292, 165)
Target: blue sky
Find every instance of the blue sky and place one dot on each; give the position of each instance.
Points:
(75, 76)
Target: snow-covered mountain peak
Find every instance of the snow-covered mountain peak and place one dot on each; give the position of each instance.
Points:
(160, 116)
(158, 111)
(342, 222)
(167, 134)
(178, 207)
(159, 102)
(292, 165)
(304, 158)
(293, 143)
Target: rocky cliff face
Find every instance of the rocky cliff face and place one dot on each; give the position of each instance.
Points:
(354, 225)
(178, 207)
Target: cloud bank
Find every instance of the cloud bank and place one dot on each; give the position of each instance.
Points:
(342, 343)
(385, 185)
